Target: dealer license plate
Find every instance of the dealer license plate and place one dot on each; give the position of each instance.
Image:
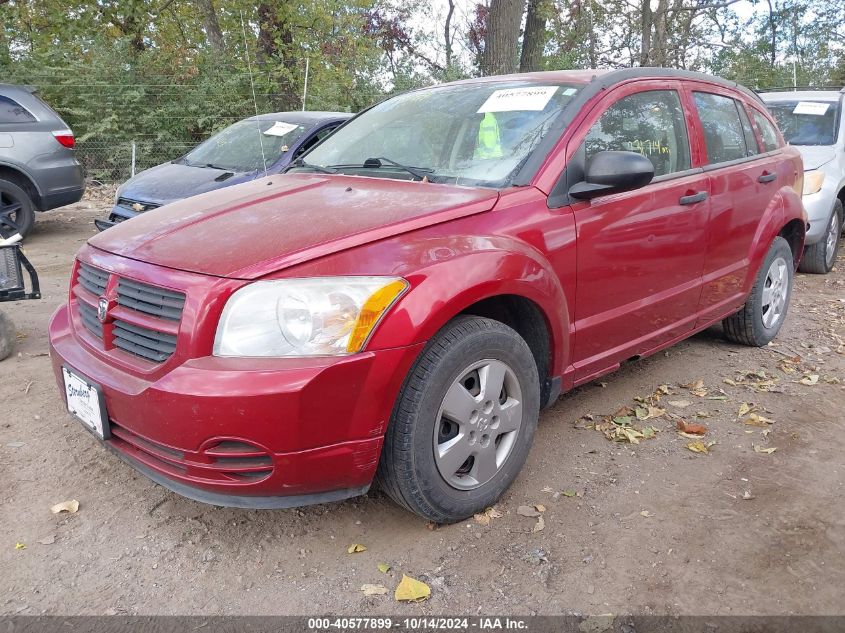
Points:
(85, 401)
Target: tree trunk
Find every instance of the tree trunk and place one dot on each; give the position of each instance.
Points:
(534, 40)
(447, 33)
(645, 33)
(502, 38)
(211, 25)
(275, 48)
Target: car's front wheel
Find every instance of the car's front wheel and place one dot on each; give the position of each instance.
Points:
(17, 213)
(463, 423)
(763, 314)
(820, 257)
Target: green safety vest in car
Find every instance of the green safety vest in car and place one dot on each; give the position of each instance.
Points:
(489, 144)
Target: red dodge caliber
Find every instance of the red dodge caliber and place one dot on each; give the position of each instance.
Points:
(402, 303)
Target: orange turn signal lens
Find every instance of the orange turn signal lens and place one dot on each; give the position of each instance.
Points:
(372, 311)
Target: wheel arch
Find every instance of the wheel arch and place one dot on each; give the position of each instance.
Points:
(22, 179)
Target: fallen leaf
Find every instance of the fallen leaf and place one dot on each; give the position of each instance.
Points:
(689, 436)
(729, 381)
(745, 409)
(757, 420)
(383, 568)
(356, 548)
(760, 449)
(680, 404)
(646, 413)
(648, 432)
(20, 546)
(663, 389)
(809, 379)
(48, 540)
(527, 511)
(484, 517)
(747, 495)
(700, 447)
(410, 589)
(646, 514)
(539, 525)
(539, 507)
(569, 493)
(373, 590)
(16, 444)
(65, 506)
(691, 428)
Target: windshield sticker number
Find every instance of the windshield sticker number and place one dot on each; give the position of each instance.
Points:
(280, 128)
(811, 107)
(515, 99)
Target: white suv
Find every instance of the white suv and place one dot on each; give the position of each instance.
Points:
(813, 121)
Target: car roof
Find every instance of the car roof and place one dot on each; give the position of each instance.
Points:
(16, 88)
(308, 117)
(801, 95)
(596, 80)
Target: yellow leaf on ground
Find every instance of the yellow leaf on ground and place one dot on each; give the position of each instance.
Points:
(646, 514)
(65, 506)
(20, 546)
(744, 409)
(700, 447)
(383, 568)
(809, 379)
(411, 589)
(356, 548)
(539, 507)
(484, 517)
(767, 451)
(757, 420)
(541, 524)
(373, 590)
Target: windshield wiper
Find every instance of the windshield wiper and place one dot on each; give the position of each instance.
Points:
(323, 170)
(422, 173)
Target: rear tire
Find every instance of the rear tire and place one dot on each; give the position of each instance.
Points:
(763, 314)
(7, 336)
(463, 423)
(17, 213)
(821, 256)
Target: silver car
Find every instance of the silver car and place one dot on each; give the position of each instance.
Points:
(38, 167)
(813, 121)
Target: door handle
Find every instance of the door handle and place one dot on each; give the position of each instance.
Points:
(767, 177)
(694, 198)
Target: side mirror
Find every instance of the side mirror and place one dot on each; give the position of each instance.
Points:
(613, 172)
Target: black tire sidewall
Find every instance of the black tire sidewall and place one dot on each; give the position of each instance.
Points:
(779, 248)
(26, 215)
(501, 344)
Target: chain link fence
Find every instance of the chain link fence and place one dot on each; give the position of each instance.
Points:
(114, 162)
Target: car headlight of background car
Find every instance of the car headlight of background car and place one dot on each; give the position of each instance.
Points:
(813, 182)
(305, 317)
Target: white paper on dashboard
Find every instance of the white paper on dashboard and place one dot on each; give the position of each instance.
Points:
(280, 128)
(811, 107)
(514, 99)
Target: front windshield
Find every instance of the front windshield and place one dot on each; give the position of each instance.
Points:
(806, 122)
(239, 147)
(469, 134)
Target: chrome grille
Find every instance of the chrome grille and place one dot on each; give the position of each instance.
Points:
(142, 341)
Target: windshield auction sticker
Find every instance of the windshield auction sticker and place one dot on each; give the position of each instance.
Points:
(280, 128)
(514, 99)
(811, 107)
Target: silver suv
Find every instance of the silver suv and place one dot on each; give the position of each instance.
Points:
(38, 167)
(812, 121)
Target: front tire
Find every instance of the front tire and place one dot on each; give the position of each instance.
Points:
(463, 423)
(17, 213)
(820, 257)
(763, 314)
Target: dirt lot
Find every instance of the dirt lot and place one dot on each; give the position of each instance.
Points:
(646, 528)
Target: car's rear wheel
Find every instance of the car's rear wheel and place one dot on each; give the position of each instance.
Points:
(7, 336)
(820, 257)
(463, 423)
(17, 213)
(763, 314)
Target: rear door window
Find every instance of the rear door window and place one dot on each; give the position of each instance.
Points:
(767, 131)
(750, 140)
(13, 112)
(724, 135)
(650, 123)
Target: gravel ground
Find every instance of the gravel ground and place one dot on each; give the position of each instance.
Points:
(643, 528)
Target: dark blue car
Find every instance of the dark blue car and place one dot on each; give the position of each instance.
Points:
(266, 143)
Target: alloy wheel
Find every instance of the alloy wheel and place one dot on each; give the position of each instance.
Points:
(775, 292)
(10, 207)
(831, 239)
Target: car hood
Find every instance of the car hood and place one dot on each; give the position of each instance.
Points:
(168, 182)
(265, 225)
(814, 156)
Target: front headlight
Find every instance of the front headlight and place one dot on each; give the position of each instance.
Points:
(305, 317)
(813, 182)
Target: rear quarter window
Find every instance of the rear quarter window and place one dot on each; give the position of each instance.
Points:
(13, 112)
(767, 132)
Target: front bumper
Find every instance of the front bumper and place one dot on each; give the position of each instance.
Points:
(819, 206)
(254, 433)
